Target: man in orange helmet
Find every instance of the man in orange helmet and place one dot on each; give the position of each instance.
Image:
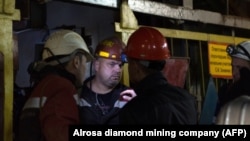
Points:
(102, 94)
(157, 102)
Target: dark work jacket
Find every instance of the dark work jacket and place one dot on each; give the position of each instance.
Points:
(231, 91)
(100, 109)
(158, 102)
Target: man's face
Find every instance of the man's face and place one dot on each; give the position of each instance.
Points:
(237, 64)
(108, 71)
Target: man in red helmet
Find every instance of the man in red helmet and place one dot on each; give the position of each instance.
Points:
(102, 94)
(157, 102)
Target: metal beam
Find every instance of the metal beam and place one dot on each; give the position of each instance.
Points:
(180, 34)
(8, 13)
(188, 4)
(106, 3)
(177, 12)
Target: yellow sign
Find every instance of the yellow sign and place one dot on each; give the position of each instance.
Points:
(219, 61)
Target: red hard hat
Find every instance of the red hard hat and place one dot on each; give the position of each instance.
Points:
(147, 43)
(111, 48)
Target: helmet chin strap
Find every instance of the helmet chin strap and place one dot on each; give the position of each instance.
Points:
(59, 61)
(63, 59)
(56, 61)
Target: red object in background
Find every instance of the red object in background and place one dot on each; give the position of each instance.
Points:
(175, 70)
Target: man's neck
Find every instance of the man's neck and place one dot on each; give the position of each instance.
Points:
(98, 87)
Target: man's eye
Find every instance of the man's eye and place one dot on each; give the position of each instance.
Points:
(112, 64)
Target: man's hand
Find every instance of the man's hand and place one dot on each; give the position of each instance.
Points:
(127, 95)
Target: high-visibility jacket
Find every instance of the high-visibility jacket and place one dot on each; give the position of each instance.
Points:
(50, 109)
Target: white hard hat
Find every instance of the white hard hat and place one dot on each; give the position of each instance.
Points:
(242, 50)
(235, 112)
(65, 42)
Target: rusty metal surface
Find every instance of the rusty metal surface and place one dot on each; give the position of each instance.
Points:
(128, 19)
(182, 13)
(177, 12)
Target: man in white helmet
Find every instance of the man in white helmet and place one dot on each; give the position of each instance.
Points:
(52, 105)
(240, 55)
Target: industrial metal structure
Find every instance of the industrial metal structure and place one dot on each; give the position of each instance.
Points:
(188, 35)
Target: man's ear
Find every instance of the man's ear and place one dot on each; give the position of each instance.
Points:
(77, 61)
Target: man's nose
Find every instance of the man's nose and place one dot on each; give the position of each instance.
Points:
(118, 67)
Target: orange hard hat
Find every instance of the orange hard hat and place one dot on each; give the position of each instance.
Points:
(111, 48)
(147, 43)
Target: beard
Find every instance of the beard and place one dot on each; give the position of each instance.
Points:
(113, 81)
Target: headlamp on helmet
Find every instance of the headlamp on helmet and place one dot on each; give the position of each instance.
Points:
(231, 50)
(111, 48)
(237, 51)
(124, 58)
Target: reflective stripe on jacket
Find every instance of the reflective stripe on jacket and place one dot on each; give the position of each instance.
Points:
(54, 99)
